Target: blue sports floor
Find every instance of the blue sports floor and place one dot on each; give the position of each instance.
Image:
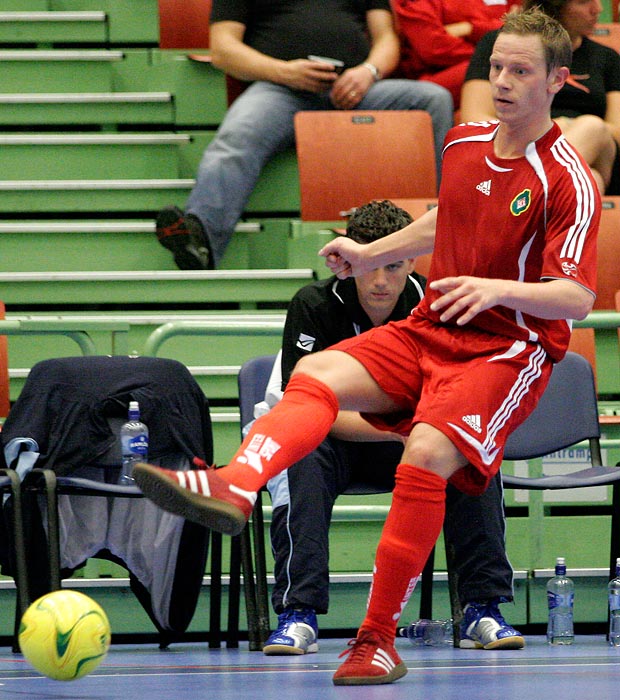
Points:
(587, 670)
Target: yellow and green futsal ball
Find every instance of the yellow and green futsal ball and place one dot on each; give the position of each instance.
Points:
(64, 635)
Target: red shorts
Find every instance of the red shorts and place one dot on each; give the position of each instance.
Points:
(473, 386)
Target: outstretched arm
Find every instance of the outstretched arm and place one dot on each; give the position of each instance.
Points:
(346, 258)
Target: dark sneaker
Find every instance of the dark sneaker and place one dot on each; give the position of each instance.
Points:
(483, 627)
(185, 238)
(370, 661)
(297, 633)
(199, 495)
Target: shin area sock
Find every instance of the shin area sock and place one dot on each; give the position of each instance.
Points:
(409, 535)
(293, 428)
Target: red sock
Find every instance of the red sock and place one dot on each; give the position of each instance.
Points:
(293, 428)
(409, 535)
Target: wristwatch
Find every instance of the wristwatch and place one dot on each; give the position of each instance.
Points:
(376, 73)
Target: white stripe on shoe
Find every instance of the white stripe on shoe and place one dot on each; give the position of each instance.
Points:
(383, 660)
(204, 483)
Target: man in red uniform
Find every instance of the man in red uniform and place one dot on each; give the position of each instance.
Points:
(514, 240)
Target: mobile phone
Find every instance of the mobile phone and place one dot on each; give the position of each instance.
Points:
(336, 64)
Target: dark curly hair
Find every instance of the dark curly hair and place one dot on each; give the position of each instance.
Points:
(376, 220)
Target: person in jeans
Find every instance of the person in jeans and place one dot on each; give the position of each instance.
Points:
(319, 315)
(267, 45)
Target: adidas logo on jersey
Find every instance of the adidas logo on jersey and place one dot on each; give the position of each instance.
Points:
(484, 187)
(473, 422)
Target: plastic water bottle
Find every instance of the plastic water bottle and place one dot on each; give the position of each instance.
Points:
(560, 599)
(614, 608)
(432, 633)
(134, 443)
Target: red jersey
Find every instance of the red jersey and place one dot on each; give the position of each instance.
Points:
(536, 218)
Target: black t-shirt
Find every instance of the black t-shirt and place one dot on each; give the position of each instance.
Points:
(289, 29)
(595, 72)
(328, 311)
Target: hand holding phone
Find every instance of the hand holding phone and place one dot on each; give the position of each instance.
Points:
(335, 63)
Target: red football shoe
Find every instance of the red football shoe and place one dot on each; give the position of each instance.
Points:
(199, 495)
(371, 661)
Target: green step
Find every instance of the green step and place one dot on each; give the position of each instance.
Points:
(53, 27)
(92, 196)
(130, 244)
(80, 22)
(123, 172)
(78, 70)
(244, 288)
(27, 109)
(102, 156)
(277, 192)
(129, 21)
(198, 89)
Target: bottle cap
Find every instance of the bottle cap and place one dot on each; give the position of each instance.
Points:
(133, 406)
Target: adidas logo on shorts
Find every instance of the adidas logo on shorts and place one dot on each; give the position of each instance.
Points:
(473, 421)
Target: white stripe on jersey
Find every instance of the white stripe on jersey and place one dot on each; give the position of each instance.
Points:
(487, 449)
(527, 375)
(566, 155)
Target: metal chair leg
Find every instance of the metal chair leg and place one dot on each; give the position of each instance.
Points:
(426, 588)
(249, 589)
(234, 594)
(215, 592)
(260, 560)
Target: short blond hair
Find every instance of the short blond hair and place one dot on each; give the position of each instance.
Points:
(555, 40)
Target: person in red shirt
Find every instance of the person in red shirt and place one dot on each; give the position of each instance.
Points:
(438, 37)
(513, 238)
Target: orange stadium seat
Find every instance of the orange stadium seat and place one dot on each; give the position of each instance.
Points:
(184, 24)
(347, 158)
(608, 275)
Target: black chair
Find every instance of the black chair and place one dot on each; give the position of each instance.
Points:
(14, 549)
(252, 381)
(566, 414)
(69, 403)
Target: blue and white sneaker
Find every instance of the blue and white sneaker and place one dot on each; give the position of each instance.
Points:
(483, 627)
(297, 633)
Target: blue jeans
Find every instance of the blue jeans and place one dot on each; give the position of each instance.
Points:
(259, 124)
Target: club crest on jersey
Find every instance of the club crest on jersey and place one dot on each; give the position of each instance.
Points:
(521, 202)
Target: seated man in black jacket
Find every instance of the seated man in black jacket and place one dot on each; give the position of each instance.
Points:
(319, 315)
